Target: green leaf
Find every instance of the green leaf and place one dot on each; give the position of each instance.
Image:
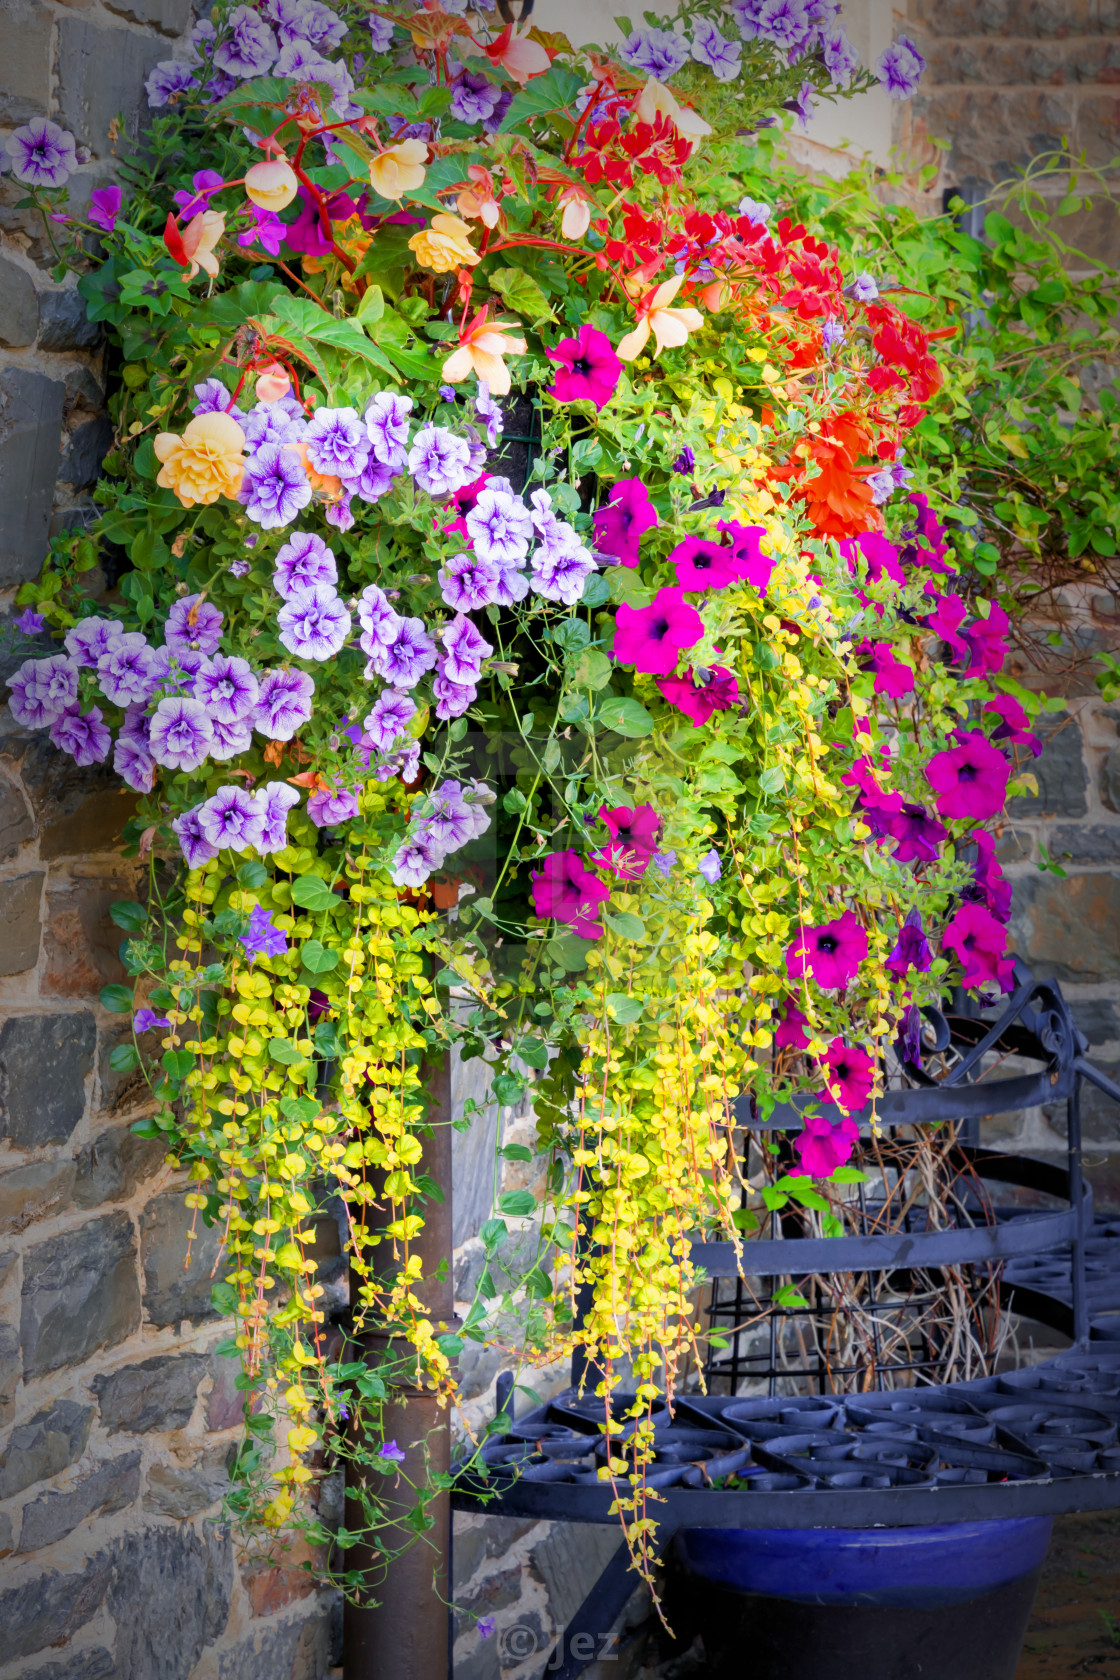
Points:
(311, 892)
(508, 1088)
(129, 915)
(522, 293)
(252, 875)
(552, 91)
(124, 1058)
(283, 1050)
(371, 307)
(517, 1204)
(625, 1008)
(449, 1344)
(116, 999)
(593, 670)
(772, 780)
(317, 958)
(223, 1298)
(626, 717)
(625, 585)
(177, 1063)
(625, 924)
(537, 1282)
(315, 324)
(532, 1052)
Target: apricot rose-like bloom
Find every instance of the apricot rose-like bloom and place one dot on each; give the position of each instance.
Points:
(200, 236)
(399, 169)
(444, 246)
(205, 463)
(271, 185)
(670, 327)
(483, 347)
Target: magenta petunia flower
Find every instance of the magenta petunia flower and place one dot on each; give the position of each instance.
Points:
(832, 953)
(985, 640)
(700, 693)
(946, 620)
(42, 154)
(567, 891)
(619, 526)
(1013, 724)
(746, 550)
(849, 1073)
(589, 370)
(634, 830)
(84, 737)
(970, 780)
(911, 948)
(978, 941)
(825, 1145)
(990, 887)
(918, 835)
(790, 1034)
(701, 564)
(652, 638)
(105, 207)
(892, 676)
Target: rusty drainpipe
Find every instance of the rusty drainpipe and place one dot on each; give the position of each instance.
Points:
(407, 1635)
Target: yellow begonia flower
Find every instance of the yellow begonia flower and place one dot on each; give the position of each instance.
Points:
(399, 169)
(200, 236)
(205, 463)
(271, 185)
(670, 327)
(482, 348)
(444, 246)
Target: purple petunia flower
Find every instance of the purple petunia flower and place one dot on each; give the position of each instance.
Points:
(272, 423)
(212, 397)
(134, 764)
(128, 672)
(232, 817)
(390, 717)
(721, 56)
(231, 739)
(378, 620)
(710, 867)
(380, 33)
(204, 184)
(181, 734)
(786, 23)
(339, 514)
(136, 727)
(329, 806)
(275, 486)
(319, 25)
(193, 626)
(42, 689)
(167, 81)
(42, 154)
(474, 97)
(374, 482)
(900, 68)
(193, 844)
(403, 660)
(105, 207)
(560, 573)
(840, 58)
(918, 835)
(29, 622)
(251, 48)
(178, 669)
(485, 1626)
(389, 1449)
(414, 862)
(303, 561)
(262, 938)
(465, 649)
(439, 461)
(386, 421)
(659, 52)
(313, 622)
(911, 949)
(276, 800)
(146, 1020)
(864, 288)
(500, 527)
(489, 412)
(685, 461)
(452, 699)
(468, 583)
(85, 738)
(337, 442)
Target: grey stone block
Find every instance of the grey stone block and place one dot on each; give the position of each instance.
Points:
(46, 1609)
(45, 1061)
(171, 16)
(6, 1536)
(87, 1664)
(119, 1092)
(42, 1447)
(182, 1491)
(1060, 772)
(20, 900)
(300, 1648)
(25, 64)
(16, 825)
(1069, 930)
(1086, 843)
(113, 1486)
(169, 1596)
(78, 810)
(1110, 780)
(30, 434)
(80, 1293)
(100, 75)
(38, 1191)
(1097, 1018)
(1100, 1116)
(173, 1292)
(156, 1394)
(89, 445)
(569, 1562)
(11, 1369)
(112, 1167)
(64, 323)
(19, 308)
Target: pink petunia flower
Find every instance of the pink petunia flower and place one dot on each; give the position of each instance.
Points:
(700, 693)
(985, 639)
(634, 830)
(979, 943)
(567, 891)
(849, 1073)
(825, 1145)
(1013, 724)
(589, 370)
(619, 526)
(832, 953)
(790, 1032)
(970, 780)
(104, 207)
(652, 638)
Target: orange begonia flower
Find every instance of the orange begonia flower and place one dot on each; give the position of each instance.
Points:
(477, 201)
(199, 238)
(205, 463)
(670, 327)
(482, 346)
(518, 55)
(399, 169)
(271, 185)
(444, 245)
(273, 383)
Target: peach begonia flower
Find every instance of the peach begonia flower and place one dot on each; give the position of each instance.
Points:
(271, 185)
(518, 55)
(576, 219)
(670, 327)
(326, 483)
(477, 201)
(205, 463)
(200, 236)
(482, 346)
(273, 383)
(444, 245)
(399, 169)
(656, 100)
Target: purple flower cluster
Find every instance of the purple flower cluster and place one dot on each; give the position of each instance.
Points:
(721, 56)
(399, 650)
(236, 820)
(450, 817)
(657, 52)
(313, 622)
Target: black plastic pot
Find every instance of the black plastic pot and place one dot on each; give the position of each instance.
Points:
(944, 1603)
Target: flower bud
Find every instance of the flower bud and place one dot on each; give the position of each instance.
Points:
(273, 384)
(271, 185)
(576, 219)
